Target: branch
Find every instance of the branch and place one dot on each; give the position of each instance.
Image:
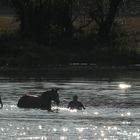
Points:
(85, 25)
(74, 19)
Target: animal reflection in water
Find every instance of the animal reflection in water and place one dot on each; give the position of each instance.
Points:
(75, 104)
(41, 102)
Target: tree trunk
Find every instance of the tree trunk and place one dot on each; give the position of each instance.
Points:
(106, 26)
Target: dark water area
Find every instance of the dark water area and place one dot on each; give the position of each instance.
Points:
(111, 98)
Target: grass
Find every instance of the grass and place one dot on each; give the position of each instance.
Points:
(8, 22)
(131, 23)
(130, 32)
(127, 23)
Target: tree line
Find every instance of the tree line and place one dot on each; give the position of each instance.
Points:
(53, 19)
(66, 31)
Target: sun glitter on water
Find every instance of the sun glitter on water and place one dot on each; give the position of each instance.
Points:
(124, 86)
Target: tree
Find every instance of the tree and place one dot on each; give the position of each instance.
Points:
(104, 13)
(34, 16)
(4, 2)
(63, 17)
(39, 17)
(106, 26)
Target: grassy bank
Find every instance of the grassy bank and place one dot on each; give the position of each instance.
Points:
(8, 22)
(123, 49)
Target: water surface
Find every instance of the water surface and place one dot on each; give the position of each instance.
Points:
(112, 101)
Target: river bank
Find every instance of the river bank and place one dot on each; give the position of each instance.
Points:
(121, 49)
(68, 71)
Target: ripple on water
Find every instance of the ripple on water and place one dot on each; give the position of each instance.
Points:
(110, 113)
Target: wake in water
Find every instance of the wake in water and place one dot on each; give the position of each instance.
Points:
(112, 111)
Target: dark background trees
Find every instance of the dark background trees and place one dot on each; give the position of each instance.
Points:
(40, 17)
(67, 30)
(106, 24)
(33, 16)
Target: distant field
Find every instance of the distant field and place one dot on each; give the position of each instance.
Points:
(7, 22)
(130, 23)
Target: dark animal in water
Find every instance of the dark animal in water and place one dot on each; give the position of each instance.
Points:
(41, 102)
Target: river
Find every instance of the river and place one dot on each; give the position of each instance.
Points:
(111, 98)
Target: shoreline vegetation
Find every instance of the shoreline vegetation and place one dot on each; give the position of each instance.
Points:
(122, 48)
(61, 71)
